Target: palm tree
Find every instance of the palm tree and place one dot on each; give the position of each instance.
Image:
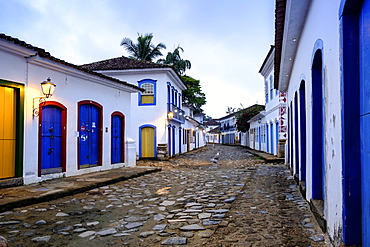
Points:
(174, 59)
(143, 49)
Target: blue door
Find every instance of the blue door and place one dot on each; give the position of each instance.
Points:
(318, 143)
(117, 139)
(365, 117)
(51, 139)
(89, 135)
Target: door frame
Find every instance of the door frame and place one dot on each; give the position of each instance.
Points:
(141, 140)
(19, 122)
(100, 129)
(123, 148)
(64, 135)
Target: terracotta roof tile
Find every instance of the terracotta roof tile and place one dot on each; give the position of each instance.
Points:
(280, 6)
(42, 53)
(123, 63)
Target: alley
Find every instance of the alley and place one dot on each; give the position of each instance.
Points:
(213, 196)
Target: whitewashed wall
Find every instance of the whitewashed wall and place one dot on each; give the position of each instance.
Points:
(72, 87)
(323, 14)
(152, 114)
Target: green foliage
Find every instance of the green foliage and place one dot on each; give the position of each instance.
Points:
(174, 59)
(144, 49)
(243, 116)
(193, 95)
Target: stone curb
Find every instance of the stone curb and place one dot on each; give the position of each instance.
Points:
(83, 186)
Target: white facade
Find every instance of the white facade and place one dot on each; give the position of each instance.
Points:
(229, 133)
(310, 74)
(264, 132)
(172, 123)
(23, 69)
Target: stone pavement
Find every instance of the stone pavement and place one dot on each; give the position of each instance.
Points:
(214, 196)
(52, 189)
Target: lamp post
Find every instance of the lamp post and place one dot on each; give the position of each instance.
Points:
(47, 88)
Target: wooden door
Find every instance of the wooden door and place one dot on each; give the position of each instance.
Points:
(7, 132)
(51, 139)
(147, 142)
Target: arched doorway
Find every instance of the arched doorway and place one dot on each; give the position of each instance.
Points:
(147, 141)
(118, 138)
(318, 142)
(52, 138)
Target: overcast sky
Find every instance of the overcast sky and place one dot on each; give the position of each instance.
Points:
(225, 40)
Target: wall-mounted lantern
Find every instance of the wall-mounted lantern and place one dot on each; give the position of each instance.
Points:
(47, 88)
(259, 120)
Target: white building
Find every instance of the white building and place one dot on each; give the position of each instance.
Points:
(322, 60)
(212, 131)
(160, 123)
(229, 133)
(82, 128)
(265, 132)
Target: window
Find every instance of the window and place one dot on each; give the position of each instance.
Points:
(266, 91)
(271, 88)
(148, 96)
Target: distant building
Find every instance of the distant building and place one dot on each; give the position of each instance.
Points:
(265, 133)
(213, 131)
(159, 122)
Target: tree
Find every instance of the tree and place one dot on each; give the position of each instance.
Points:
(193, 95)
(243, 116)
(174, 59)
(230, 110)
(144, 49)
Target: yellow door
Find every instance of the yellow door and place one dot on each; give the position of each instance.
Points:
(7, 132)
(147, 142)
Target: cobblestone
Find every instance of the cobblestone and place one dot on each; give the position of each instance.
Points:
(214, 196)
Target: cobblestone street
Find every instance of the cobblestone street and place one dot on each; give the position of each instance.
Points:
(213, 196)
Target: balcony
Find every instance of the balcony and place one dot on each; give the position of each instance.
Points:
(177, 114)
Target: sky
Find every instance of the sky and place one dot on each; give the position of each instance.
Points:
(226, 41)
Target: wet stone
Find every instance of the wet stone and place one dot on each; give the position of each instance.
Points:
(160, 227)
(174, 241)
(42, 239)
(40, 222)
(106, 232)
(133, 225)
(146, 234)
(206, 233)
(210, 222)
(193, 227)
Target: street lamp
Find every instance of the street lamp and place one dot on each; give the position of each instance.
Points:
(47, 88)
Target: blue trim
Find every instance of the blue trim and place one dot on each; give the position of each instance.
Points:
(302, 127)
(267, 139)
(155, 138)
(154, 82)
(318, 141)
(296, 135)
(351, 158)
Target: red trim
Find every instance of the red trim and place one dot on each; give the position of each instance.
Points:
(64, 134)
(117, 113)
(100, 127)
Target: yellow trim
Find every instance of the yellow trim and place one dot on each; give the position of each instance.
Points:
(147, 142)
(7, 132)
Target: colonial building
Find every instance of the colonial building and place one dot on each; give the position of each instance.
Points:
(321, 62)
(268, 128)
(78, 128)
(160, 122)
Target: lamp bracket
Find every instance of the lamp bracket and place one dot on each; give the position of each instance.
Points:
(37, 103)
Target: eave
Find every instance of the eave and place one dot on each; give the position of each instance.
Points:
(287, 37)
